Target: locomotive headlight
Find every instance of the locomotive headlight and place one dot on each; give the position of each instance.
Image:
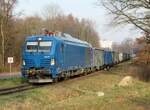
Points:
(39, 38)
(24, 63)
(52, 61)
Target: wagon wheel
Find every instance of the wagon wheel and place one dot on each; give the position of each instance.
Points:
(108, 68)
(85, 73)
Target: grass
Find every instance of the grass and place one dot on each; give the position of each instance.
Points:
(4, 83)
(81, 94)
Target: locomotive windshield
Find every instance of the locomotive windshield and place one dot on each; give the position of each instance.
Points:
(41, 46)
(44, 46)
(32, 46)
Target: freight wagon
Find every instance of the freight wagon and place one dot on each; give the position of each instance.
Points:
(120, 57)
(115, 57)
(98, 59)
(108, 59)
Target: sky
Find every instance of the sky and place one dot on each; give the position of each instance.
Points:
(81, 9)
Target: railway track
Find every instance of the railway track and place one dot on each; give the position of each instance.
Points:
(23, 87)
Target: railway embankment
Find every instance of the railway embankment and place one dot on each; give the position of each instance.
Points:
(96, 91)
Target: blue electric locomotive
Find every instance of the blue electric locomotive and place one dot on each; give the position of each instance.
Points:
(48, 58)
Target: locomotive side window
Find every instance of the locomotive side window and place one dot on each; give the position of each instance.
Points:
(62, 48)
(45, 46)
(32, 46)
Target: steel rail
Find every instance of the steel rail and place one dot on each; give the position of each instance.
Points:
(4, 91)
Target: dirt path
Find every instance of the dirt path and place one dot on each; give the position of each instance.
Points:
(9, 75)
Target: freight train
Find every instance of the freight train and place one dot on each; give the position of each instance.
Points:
(49, 58)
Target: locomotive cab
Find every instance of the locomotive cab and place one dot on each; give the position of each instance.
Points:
(38, 58)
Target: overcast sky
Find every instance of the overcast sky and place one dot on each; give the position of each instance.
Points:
(80, 9)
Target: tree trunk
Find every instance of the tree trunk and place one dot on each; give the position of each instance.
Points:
(3, 43)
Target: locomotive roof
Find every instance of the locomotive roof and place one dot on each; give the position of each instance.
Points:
(64, 37)
(67, 37)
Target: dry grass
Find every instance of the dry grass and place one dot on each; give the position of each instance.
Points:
(81, 94)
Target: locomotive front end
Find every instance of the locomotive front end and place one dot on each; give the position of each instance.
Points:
(38, 59)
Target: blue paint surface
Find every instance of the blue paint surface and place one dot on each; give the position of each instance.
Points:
(108, 59)
(68, 55)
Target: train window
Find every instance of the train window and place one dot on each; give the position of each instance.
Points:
(62, 48)
(47, 43)
(32, 46)
(45, 46)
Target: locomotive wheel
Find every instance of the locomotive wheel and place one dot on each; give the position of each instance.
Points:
(55, 80)
(66, 77)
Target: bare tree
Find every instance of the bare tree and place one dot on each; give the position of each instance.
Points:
(126, 46)
(135, 12)
(51, 11)
(6, 8)
(49, 14)
(116, 47)
(54, 19)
